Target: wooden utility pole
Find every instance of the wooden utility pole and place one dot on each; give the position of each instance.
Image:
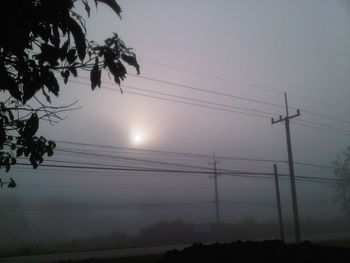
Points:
(217, 209)
(291, 167)
(279, 208)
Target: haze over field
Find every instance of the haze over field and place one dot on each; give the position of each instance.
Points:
(213, 73)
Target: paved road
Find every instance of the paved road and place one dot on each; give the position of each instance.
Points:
(100, 254)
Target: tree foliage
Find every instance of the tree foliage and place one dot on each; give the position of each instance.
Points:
(342, 171)
(41, 42)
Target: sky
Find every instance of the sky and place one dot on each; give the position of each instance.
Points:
(250, 49)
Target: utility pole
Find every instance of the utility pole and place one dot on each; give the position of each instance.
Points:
(279, 208)
(291, 167)
(217, 210)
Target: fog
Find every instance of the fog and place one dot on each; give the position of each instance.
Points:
(249, 49)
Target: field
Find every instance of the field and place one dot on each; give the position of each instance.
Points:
(138, 259)
(250, 251)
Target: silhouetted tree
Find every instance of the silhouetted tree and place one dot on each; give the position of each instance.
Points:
(41, 42)
(342, 171)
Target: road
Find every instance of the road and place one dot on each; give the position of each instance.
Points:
(100, 254)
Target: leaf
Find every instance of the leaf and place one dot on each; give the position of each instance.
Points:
(11, 115)
(79, 37)
(29, 90)
(31, 127)
(13, 89)
(95, 76)
(55, 37)
(73, 70)
(65, 75)
(51, 82)
(19, 152)
(131, 60)
(46, 96)
(26, 152)
(49, 152)
(44, 32)
(116, 68)
(64, 49)
(51, 144)
(87, 7)
(50, 54)
(12, 183)
(71, 57)
(112, 4)
(2, 133)
(9, 84)
(33, 161)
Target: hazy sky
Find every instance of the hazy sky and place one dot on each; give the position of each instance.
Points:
(253, 49)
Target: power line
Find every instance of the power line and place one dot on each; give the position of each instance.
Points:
(95, 172)
(245, 203)
(143, 169)
(315, 165)
(96, 164)
(206, 90)
(198, 105)
(103, 188)
(110, 206)
(179, 97)
(146, 161)
(135, 169)
(326, 126)
(326, 116)
(197, 100)
(323, 179)
(236, 97)
(104, 207)
(243, 113)
(183, 102)
(214, 77)
(120, 169)
(135, 159)
(319, 128)
(255, 86)
(195, 155)
(330, 129)
(122, 166)
(78, 151)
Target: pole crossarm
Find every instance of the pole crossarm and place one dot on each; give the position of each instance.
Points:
(273, 121)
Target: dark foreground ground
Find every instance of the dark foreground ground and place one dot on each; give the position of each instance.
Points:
(246, 251)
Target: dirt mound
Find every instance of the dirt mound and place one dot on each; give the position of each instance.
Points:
(263, 251)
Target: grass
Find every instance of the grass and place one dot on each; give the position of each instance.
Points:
(334, 242)
(137, 259)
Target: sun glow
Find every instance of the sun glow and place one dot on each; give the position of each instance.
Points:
(138, 138)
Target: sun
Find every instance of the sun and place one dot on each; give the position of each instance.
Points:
(138, 138)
